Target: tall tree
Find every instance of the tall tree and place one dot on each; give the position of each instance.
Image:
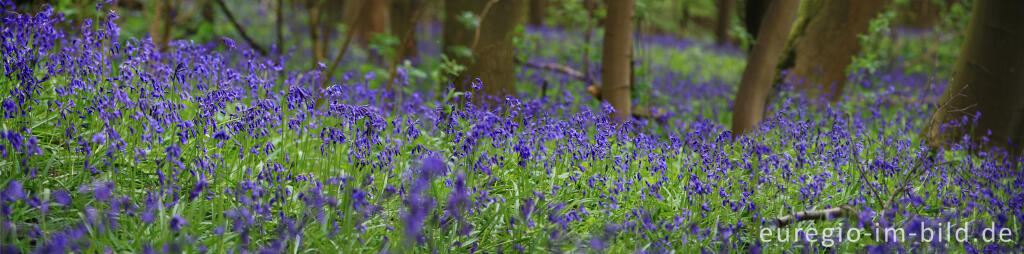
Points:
(824, 41)
(725, 9)
(617, 57)
(760, 71)
(988, 79)
(492, 45)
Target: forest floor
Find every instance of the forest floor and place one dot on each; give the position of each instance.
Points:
(112, 146)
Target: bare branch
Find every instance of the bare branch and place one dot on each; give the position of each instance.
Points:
(241, 31)
(344, 46)
(480, 23)
(856, 157)
(405, 40)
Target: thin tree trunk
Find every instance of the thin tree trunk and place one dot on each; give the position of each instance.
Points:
(279, 26)
(375, 22)
(493, 60)
(725, 8)
(314, 31)
(329, 23)
(824, 41)
(684, 15)
(760, 71)
(344, 47)
(616, 55)
(589, 5)
(160, 28)
(538, 9)
(326, 26)
(406, 33)
(988, 79)
(403, 26)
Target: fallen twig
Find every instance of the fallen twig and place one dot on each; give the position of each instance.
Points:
(569, 71)
(835, 212)
(642, 112)
(592, 89)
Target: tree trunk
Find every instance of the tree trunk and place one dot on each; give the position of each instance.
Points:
(160, 28)
(378, 14)
(493, 59)
(279, 26)
(537, 12)
(329, 24)
(988, 79)
(314, 31)
(403, 25)
(725, 8)
(375, 20)
(755, 10)
(615, 66)
(590, 6)
(760, 71)
(824, 41)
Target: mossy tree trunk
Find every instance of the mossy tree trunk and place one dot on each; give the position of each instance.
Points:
(988, 79)
(824, 41)
(760, 70)
(493, 49)
(617, 57)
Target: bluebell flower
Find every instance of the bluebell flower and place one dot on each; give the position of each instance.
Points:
(177, 223)
(61, 197)
(228, 42)
(14, 191)
(101, 190)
